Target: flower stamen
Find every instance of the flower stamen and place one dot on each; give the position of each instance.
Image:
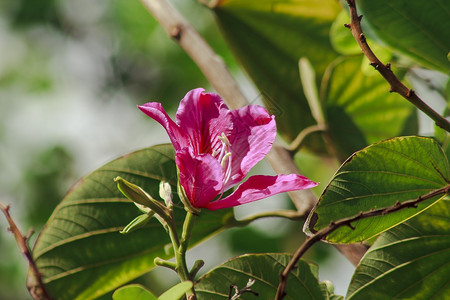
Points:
(224, 158)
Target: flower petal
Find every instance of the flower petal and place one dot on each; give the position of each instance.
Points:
(155, 111)
(200, 175)
(259, 187)
(254, 132)
(204, 117)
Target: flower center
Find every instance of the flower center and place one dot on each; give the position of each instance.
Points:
(224, 157)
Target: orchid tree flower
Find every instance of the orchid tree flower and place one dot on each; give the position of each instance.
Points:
(216, 147)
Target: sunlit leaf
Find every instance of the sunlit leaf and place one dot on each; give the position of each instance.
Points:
(418, 29)
(341, 37)
(177, 291)
(264, 269)
(81, 253)
(269, 37)
(410, 261)
(133, 291)
(379, 176)
(359, 109)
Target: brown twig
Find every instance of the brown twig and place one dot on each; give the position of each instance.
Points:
(319, 235)
(396, 85)
(39, 291)
(296, 144)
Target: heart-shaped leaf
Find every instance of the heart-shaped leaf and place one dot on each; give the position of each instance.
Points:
(177, 291)
(269, 37)
(81, 253)
(138, 292)
(418, 29)
(359, 109)
(265, 269)
(410, 261)
(133, 291)
(379, 176)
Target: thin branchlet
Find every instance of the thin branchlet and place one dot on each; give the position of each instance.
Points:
(319, 235)
(35, 283)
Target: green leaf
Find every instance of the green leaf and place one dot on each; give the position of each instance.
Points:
(341, 37)
(264, 269)
(418, 29)
(269, 37)
(379, 176)
(177, 291)
(133, 291)
(308, 79)
(81, 253)
(343, 41)
(359, 109)
(329, 287)
(410, 261)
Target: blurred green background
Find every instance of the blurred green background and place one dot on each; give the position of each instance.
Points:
(71, 75)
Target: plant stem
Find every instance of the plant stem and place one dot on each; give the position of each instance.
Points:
(287, 214)
(180, 248)
(188, 225)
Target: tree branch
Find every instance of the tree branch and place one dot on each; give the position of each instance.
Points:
(348, 222)
(396, 85)
(37, 289)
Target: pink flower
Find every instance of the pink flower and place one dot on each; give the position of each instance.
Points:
(216, 148)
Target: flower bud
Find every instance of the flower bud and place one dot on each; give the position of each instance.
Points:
(139, 196)
(138, 222)
(165, 192)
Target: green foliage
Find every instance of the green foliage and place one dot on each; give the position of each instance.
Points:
(138, 292)
(409, 261)
(177, 291)
(146, 60)
(81, 253)
(355, 107)
(133, 291)
(264, 269)
(27, 13)
(269, 37)
(46, 183)
(379, 176)
(418, 29)
(250, 240)
(341, 37)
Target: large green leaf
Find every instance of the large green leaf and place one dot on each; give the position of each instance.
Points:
(269, 37)
(359, 109)
(265, 269)
(418, 29)
(81, 253)
(379, 176)
(410, 261)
